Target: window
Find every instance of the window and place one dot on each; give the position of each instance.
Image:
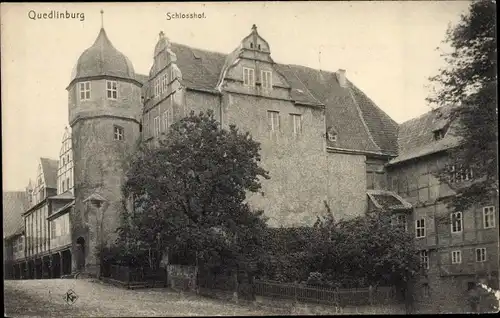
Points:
(118, 133)
(426, 290)
(67, 183)
(266, 78)
(438, 134)
(62, 187)
(332, 136)
(420, 228)
(424, 259)
(456, 222)
(165, 120)
(111, 89)
(400, 220)
(53, 230)
(460, 174)
(480, 254)
(248, 77)
(296, 123)
(456, 257)
(157, 88)
(157, 126)
(471, 285)
(164, 82)
(84, 90)
(274, 120)
(489, 217)
(172, 74)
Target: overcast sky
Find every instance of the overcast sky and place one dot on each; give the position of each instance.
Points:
(386, 48)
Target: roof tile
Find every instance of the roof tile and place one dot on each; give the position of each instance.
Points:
(14, 204)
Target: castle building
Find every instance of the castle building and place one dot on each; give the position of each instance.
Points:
(315, 127)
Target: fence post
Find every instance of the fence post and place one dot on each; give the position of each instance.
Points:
(127, 278)
(370, 295)
(337, 299)
(235, 294)
(295, 298)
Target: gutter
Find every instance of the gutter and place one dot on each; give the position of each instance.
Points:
(357, 152)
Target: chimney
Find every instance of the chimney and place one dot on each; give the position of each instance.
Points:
(341, 77)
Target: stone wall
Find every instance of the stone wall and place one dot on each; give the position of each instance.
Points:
(99, 166)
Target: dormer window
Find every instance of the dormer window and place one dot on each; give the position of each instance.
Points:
(84, 90)
(439, 134)
(111, 89)
(332, 136)
(248, 76)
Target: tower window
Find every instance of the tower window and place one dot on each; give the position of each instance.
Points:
(118, 132)
(251, 45)
(248, 76)
(266, 78)
(258, 46)
(84, 90)
(111, 89)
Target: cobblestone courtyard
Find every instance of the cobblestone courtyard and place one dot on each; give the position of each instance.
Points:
(46, 298)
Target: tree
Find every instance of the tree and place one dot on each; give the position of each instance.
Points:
(469, 81)
(366, 250)
(190, 189)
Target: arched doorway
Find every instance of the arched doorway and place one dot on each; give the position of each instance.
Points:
(80, 253)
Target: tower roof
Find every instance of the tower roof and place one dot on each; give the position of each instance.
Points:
(102, 58)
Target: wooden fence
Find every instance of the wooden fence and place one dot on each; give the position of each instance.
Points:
(187, 278)
(327, 296)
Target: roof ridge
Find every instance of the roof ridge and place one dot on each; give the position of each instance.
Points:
(373, 103)
(199, 49)
(418, 117)
(360, 114)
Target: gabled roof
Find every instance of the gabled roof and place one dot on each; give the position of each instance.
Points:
(49, 169)
(13, 206)
(416, 136)
(360, 124)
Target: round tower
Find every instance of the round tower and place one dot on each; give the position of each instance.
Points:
(104, 100)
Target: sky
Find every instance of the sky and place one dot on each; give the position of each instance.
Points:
(388, 50)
